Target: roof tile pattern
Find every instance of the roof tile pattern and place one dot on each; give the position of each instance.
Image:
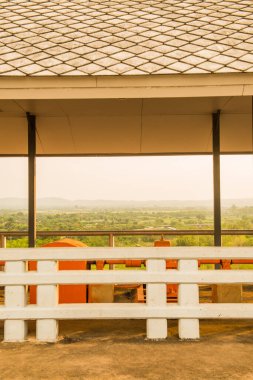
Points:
(125, 37)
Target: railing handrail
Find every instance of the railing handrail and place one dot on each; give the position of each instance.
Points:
(125, 253)
(140, 232)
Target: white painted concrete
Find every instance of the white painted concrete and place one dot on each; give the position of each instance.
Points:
(15, 297)
(92, 253)
(188, 295)
(129, 311)
(156, 296)
(47, 296)
(47, 312)
(129, 277)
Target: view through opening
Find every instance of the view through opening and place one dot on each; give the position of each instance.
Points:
(134, 193)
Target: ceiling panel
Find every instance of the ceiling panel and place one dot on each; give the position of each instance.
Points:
(13, 135)
(107, 134)
(177, 133)
(236, 133)
(126, 125)
(55, 136)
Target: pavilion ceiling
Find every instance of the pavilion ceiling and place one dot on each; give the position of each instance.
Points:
(126, 126)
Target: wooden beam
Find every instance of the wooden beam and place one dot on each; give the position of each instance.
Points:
(31, 119)
(216, 179)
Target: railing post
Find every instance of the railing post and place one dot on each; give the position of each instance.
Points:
(2, 241)
(47, 296)
(2, 245)
(15, 297)
(111, 240)
(111, 244)
(156, 296)
(188, 295)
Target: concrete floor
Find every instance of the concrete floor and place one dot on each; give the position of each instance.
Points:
(102, 350)
(105, 350)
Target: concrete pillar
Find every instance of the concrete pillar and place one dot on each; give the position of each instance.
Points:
(15, 297)
(188, 295)
(47, 296)
(156, 296)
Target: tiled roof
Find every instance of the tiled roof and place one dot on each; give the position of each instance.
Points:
(125, 37)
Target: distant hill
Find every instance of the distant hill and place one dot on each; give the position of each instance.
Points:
(66, 204)
(13, 203)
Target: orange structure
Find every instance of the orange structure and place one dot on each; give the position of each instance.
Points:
(128, 263)
(67, 293)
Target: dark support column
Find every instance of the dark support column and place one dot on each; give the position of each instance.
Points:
(31, 180)
(216, 179)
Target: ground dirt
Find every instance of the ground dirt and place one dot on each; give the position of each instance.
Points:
(104, 350)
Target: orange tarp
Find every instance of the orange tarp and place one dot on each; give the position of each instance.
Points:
(67, 293)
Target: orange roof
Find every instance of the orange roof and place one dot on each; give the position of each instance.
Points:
(66, 243)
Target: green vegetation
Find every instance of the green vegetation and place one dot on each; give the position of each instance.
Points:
(133, 219)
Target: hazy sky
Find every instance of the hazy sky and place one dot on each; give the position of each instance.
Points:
(129, 178)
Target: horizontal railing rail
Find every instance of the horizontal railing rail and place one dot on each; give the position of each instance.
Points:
(125, 253)
(129, 311)
(156, 311)
(111, 234)
(141, 232)
(128, 277)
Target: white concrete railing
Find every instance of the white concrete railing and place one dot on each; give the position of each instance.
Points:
(156, 311)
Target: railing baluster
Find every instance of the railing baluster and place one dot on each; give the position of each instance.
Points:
(47, 296)
(15, 297)
(188, 295)
(156, 296)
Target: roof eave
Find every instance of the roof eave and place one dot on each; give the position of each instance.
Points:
(139, 86)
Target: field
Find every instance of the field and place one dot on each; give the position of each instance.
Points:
(132, 219)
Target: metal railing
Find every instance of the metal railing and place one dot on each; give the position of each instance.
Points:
(111, 234)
